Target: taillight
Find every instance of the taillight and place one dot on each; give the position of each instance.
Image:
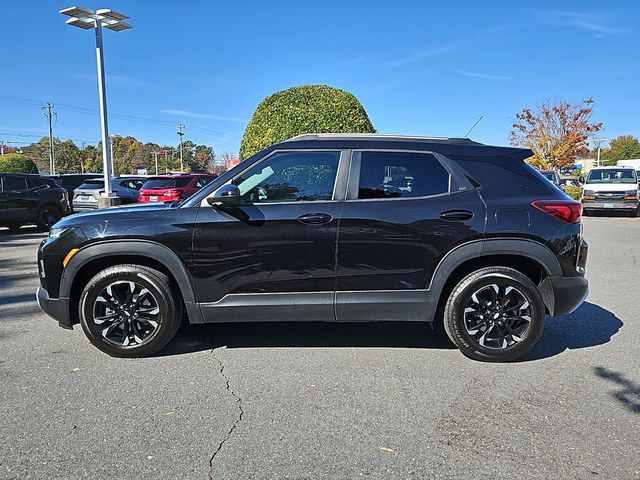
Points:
(568, 211)
(172, 193)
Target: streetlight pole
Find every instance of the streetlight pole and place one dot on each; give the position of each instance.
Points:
(87, 19)
(598, 142)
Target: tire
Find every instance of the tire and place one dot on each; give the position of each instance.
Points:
(488, 330)
(47, 217)
(130, 311)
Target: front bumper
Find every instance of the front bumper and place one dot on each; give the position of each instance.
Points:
(563, 295)
(56, 308)
(614, 205)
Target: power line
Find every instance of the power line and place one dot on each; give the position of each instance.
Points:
(89, 111)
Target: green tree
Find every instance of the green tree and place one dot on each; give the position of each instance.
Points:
(621, 148)
(303, 109)
(203, 159)
(17, 163)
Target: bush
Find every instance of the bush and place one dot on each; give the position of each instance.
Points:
(574, 192)
(304, 109)
(16, 163)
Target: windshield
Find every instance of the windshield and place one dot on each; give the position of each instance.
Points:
(612, 175)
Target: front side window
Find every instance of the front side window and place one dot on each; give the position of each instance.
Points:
(401, 175)
(290, 177)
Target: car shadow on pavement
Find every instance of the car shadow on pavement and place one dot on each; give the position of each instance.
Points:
(588, 326)
(24, 231)
(193, 338)
(628, 393)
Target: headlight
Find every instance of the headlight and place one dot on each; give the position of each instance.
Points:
(631, 192)
(56, 232)
(588, 192)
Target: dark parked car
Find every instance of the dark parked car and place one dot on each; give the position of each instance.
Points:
(71, 181)
(85, 197)
(28, 199)
(329, 227)
(169, 188)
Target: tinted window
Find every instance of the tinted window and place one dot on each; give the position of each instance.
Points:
(132, 184)
(170, 182)
(202, 181)
(290, 177)
(92, 185)
(11, 184)
(396, 174)
(35, 183)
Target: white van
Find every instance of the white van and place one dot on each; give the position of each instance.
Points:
(611, 188)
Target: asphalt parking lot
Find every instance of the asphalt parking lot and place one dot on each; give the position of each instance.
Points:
(305, 401)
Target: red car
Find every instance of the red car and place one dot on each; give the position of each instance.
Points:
(167, 188)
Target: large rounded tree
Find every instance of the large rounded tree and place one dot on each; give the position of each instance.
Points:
(16, 163)
(304, 109)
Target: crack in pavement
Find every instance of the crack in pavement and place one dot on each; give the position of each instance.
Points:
(238, 406)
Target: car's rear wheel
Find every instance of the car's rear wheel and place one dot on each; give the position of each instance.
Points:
(130, 311)
(47, 217)
(494, 314)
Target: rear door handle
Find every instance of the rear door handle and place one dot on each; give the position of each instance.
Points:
(456, 215)
(315, 218)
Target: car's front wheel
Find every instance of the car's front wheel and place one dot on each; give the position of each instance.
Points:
(130, 310)
(494, 314)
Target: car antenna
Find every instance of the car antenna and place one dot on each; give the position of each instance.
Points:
(473, 126)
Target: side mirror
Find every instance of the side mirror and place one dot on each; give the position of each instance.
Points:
(581, 179)
(226, 195)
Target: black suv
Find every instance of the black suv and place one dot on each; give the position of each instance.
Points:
(330, 227)
(31, 199)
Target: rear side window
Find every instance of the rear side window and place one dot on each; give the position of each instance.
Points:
(13, 184)
(35, 183)
(202, 181)
(401, 175)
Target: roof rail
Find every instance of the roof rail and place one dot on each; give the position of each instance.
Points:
(373, 136)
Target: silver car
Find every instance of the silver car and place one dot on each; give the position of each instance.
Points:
(85, 197)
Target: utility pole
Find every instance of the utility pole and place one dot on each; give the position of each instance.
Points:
(52, 162)
(598, 142)
(166, 160)
(180, 134)
(155, 156)
(1, 147)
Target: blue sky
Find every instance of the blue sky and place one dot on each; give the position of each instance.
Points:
(423, 67)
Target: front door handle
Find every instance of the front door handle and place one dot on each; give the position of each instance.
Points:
(456, 215)
(315, 218)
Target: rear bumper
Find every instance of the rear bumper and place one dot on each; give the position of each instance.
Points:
(563, 295)
(56, 308)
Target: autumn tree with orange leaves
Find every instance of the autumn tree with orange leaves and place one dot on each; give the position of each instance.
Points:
(557, 132)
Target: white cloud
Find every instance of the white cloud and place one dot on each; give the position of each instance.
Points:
(590, 21)
(484, 76)
(186, 113)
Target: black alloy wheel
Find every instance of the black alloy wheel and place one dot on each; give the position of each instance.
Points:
(494, 314)
(130, 310)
